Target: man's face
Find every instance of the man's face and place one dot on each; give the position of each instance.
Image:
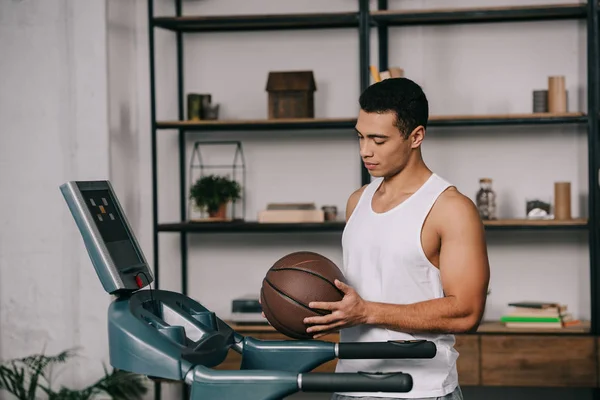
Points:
(382, 148)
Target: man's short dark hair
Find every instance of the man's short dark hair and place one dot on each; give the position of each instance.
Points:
(400, 95)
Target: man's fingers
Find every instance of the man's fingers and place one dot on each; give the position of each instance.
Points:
(343, 287)
(325, 319)
(324, 305)
(325, 329)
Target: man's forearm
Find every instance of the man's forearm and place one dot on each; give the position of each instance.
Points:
(431, 316)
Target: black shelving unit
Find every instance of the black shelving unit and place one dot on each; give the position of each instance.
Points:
(338, 226)
(384, 17)
(363, 21)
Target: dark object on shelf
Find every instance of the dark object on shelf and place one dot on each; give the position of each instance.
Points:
(486, 200)
(330, 213)
(199, 107)
(291, 94)
(211, 112)
(537, 209)
(213, 192)
(196, 103)
(540, 101)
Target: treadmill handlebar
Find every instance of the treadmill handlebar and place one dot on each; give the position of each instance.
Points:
(387, 350)
(210, 384)
(356, 382)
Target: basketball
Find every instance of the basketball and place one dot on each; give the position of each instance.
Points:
(291, 284)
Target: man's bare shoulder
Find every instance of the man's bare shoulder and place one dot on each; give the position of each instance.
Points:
(353, 200)
(454, 210)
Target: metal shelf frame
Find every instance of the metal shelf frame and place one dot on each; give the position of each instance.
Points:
(362, 21)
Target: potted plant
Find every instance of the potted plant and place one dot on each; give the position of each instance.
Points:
(30, 378)
(213, 192)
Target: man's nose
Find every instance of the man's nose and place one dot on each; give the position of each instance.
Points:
(365, 149)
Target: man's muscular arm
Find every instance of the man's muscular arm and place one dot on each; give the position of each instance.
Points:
(353, 201)
(464, 270)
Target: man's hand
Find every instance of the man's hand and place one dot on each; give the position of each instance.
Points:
(262, 312)
(350, 311)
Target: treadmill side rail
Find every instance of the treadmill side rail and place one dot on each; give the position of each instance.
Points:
(286, 355)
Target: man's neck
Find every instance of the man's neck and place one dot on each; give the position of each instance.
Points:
(411, 178)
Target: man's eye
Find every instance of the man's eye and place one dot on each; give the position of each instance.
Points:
(376, 142)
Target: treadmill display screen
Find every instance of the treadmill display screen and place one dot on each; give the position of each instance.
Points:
(111, 227)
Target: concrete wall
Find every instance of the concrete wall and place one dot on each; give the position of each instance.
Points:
(53, 109)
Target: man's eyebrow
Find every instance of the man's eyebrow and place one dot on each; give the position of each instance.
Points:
(373, 135)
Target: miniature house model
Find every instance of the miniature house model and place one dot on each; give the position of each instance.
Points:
(291, 94)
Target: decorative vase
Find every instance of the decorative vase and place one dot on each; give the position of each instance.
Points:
(221, 213)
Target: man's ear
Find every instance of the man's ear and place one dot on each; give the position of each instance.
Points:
(417, 136)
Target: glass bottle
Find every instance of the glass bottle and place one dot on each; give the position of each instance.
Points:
(486, 200)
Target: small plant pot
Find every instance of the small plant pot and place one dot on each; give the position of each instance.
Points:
(221, 213)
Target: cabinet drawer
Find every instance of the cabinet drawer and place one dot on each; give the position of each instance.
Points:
(468, 359)
(538, 360)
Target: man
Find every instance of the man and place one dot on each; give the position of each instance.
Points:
(414, 250)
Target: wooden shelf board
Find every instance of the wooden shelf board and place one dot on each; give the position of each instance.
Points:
(480, 14)
(485, 327)
(240, 226)
(252, 226)
(249, 22)
(499, 327)
(576, 222)
(262, 22)
(507, 116)
(348, 123)
(260, 124)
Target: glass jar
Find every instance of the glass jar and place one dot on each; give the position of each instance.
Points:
(486, 200)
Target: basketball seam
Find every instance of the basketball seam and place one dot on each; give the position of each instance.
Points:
(299, 263)
(294, 300)
(287, 332)
(311, 273)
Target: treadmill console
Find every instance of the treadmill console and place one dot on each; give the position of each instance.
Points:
(108, 238)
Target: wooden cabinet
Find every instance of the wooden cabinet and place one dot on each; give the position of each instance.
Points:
(538, 360)
(499, 357)
(469, 359)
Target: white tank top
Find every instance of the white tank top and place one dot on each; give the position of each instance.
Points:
(384, 261)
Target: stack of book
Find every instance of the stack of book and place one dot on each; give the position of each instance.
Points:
(531, 314)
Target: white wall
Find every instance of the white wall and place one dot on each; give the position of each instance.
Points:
(54, 129)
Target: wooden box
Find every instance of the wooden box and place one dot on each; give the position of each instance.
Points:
(291, 94)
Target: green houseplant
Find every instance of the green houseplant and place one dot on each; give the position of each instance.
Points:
(213, 192)
(29, 378)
